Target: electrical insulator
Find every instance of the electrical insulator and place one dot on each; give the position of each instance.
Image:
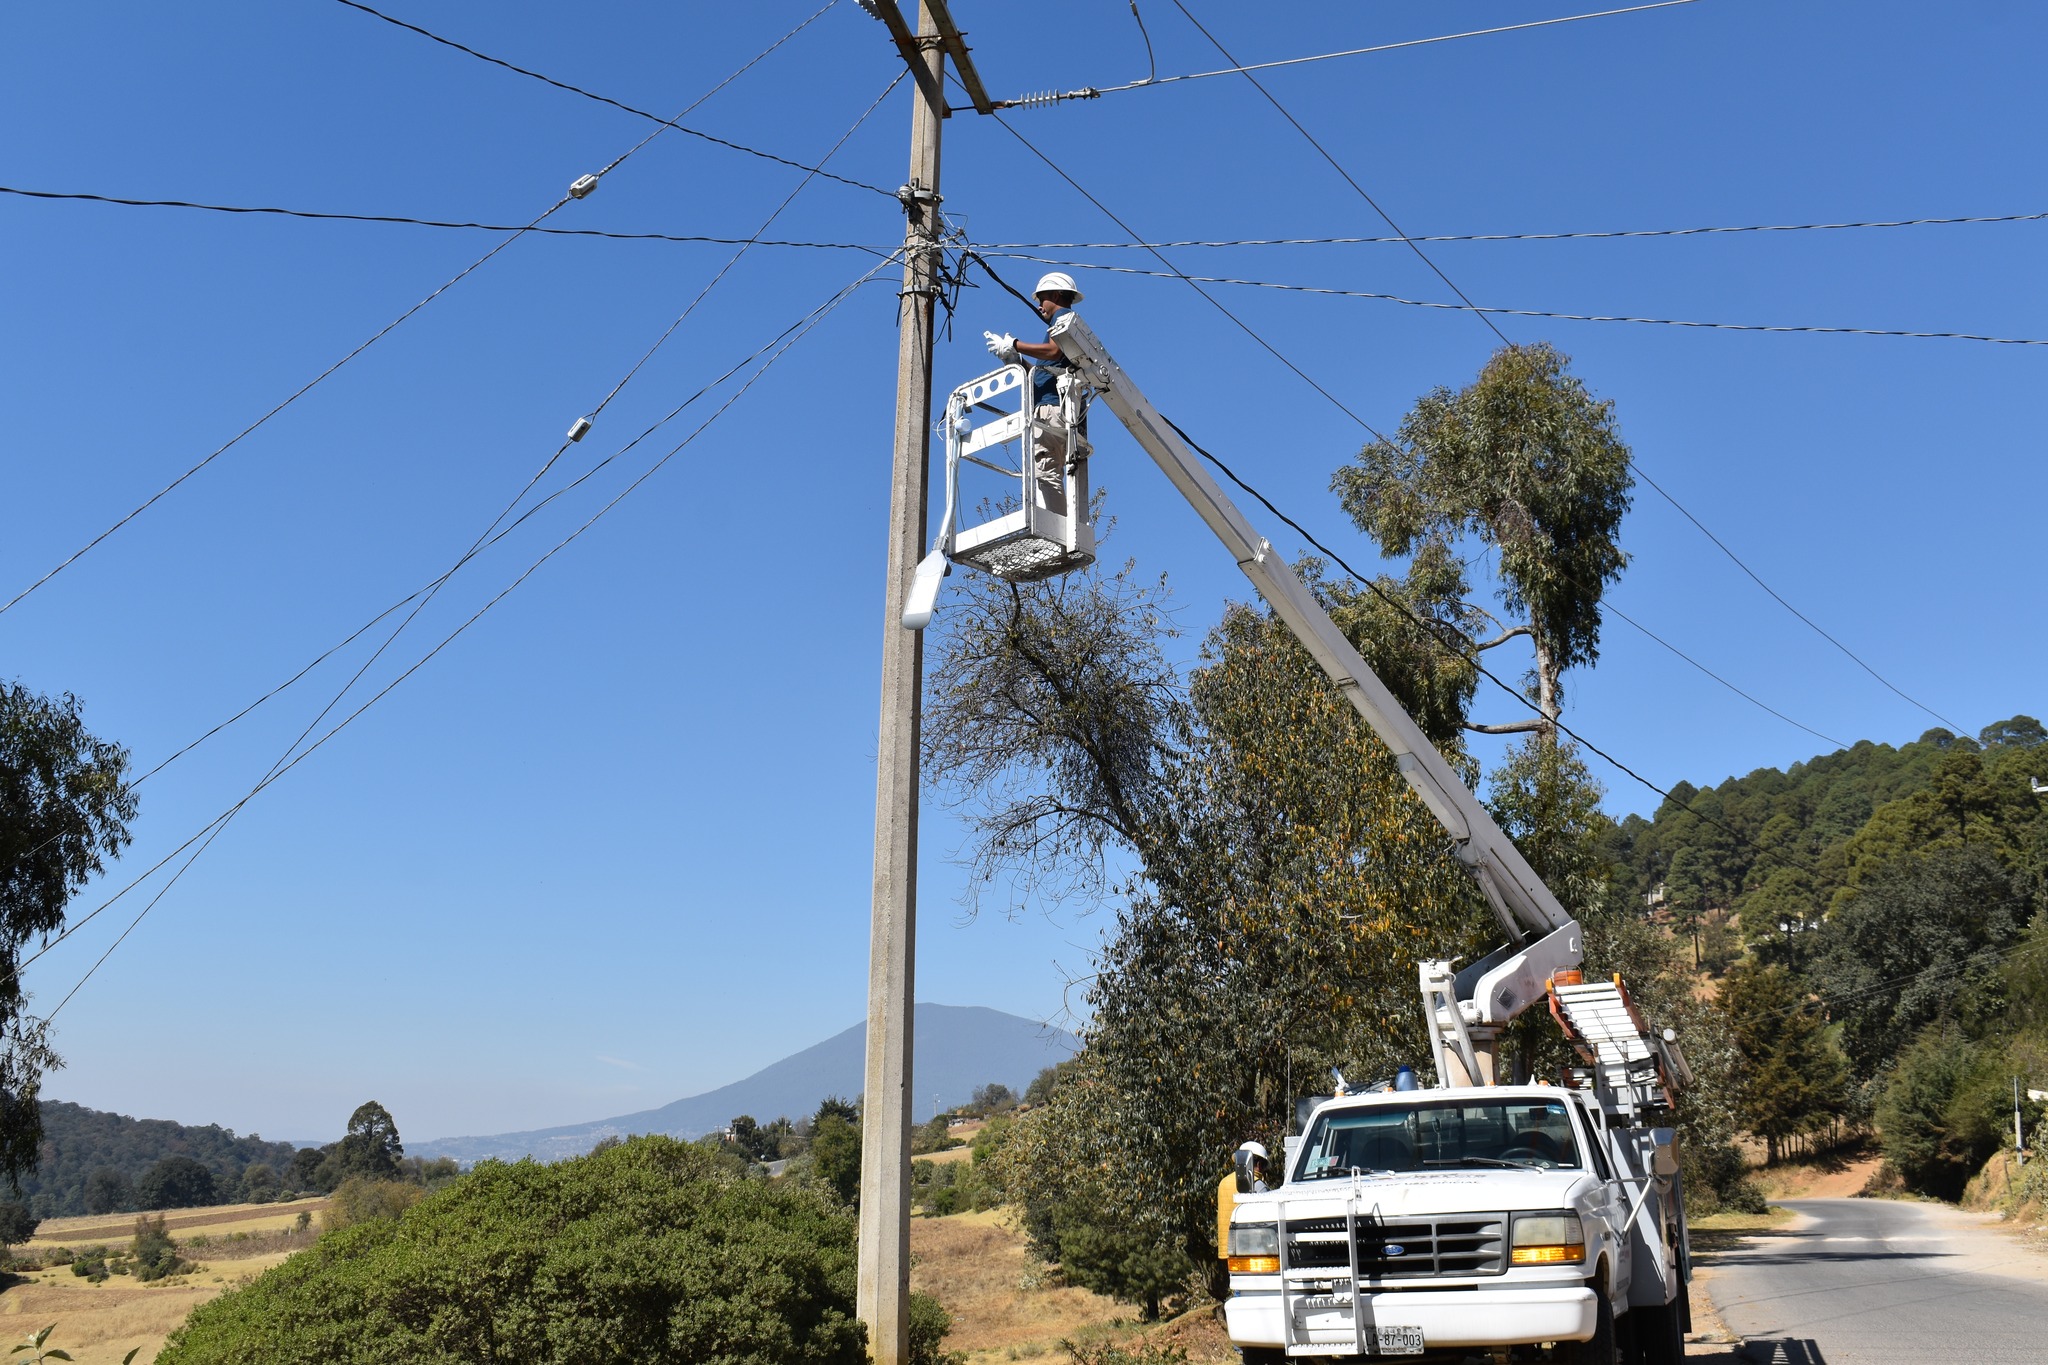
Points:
(583, 186)
(580, 430)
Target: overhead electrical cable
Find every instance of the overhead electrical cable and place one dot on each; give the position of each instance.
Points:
(1484, 310)
(294, 397)
(1179, 274)
(1755, 578)
(748, 245)
(791, 337)
(1601, 235)
(582, 187)
(1338, 167)
(630, 109)
(1607, 606)
(880, 249)
(1150, 82)
(1352, 181)
(1434, 631)
(517, 522)
(439, 223)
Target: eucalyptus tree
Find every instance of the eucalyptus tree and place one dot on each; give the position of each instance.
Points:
(1527, 463)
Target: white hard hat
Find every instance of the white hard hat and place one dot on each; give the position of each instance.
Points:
(1255, 1149)
(1060, 282)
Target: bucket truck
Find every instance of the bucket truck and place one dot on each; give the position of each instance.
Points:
(1474, 1217)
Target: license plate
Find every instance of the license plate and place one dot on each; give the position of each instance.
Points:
(1396, 1341)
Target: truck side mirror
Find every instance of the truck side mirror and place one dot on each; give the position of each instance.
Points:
(1664, 1151)
(1242, 1160)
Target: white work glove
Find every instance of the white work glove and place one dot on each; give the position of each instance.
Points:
(1002, 346)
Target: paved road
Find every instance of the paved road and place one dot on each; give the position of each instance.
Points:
(1880, 1282)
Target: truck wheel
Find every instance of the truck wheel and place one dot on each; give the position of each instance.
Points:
(1655, 1335)
(1601, 1349)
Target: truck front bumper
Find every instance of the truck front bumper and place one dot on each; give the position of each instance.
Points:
(1480, 1317)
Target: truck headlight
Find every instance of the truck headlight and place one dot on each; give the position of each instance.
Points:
(1254, 1248)
(1548, 1239)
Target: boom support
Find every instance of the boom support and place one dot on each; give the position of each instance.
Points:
(1467, 1008)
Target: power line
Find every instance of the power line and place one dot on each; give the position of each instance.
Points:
(439, 223)
(1094, 92)
(213, 827)
(1214, 302)
(521, 520)
(622, 105)
(1484, 316)
(690, 238)
(1432, 630)
(1338, 167)
(1609, 606)
(1524, 236)
(1370, 583)
(1484, 310)
(748, 245)
(583, 186)
(1737, 560)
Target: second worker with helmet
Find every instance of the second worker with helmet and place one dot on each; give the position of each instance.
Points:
(1056, 294)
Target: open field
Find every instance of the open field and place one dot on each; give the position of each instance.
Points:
(100, 1323)
(215, 1221)
(1007, 1306)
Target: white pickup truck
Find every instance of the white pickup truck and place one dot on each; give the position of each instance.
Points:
(1503, 1222)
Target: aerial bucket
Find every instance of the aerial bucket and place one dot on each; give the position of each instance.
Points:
(990, 424)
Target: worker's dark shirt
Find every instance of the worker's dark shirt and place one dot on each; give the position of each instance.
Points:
(1045, 374)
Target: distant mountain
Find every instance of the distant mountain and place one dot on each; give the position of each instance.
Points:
(957, 1049)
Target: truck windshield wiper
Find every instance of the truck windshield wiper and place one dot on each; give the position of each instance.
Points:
(1483, 1161)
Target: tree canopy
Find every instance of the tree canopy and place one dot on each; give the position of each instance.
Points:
(1528, 463)
(65, 805)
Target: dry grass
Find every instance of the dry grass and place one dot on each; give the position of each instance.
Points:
(1006, 1305)
(100, 1323)
(1003, 1306)
(215, 1221)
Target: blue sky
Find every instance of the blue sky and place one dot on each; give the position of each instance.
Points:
(612, 845)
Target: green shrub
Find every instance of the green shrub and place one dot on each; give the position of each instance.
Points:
(156, 1255)
(359, 1199)
(929, 1323)
(648, 1251)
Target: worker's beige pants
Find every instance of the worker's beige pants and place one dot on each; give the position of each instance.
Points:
(1049, 461)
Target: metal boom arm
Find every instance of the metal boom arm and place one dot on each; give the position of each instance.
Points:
(1543, 937)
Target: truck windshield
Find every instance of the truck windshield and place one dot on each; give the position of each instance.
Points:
(1528, 1132)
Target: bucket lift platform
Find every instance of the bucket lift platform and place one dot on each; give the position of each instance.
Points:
(1040, 530)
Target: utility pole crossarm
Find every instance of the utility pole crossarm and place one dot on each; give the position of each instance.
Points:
(1524, 905)
(906, 43)
(956, 48)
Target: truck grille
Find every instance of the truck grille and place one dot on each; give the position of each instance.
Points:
(1471, 1244)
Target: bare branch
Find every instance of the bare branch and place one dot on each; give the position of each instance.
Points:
(1504, 637)
(1534, 725)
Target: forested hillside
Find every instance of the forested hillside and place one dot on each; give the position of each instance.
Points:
(95, 1162)
(1780, 847)
(1877, 917)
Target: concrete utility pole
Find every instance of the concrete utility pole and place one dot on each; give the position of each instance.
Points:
(883, 1296)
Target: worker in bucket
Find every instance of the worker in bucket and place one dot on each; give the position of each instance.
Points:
(1056, 295)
